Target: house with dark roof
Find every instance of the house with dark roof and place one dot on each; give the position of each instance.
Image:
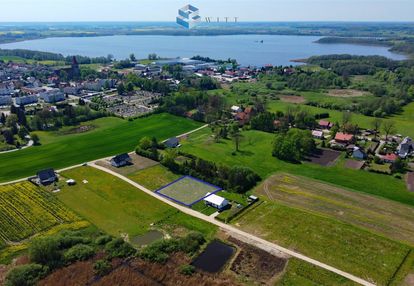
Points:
(47, 177)
(406, 147)
(172, 142)
(359, 154)
(121, 160)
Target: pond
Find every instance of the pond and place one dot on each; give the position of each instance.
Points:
(147, 238)
(214, 257)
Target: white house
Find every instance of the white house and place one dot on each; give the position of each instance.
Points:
(317, 134)
(236, 109)
(216, 201)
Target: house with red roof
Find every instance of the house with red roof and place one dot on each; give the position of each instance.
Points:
(389, 158)
(324, 124)
(344, 138)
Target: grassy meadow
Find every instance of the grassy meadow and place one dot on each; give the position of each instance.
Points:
(118, 208)
(255, 153)
(119, 136)
(344, 246)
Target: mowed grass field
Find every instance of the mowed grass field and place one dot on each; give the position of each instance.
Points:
(187, 190)
(301, 273)
(384, 217)
(154, 177)
(341, 245)
(26, 210)
(118, 208)
(256, 150)
(72, 149)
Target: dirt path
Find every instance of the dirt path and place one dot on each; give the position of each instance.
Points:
(239, 234)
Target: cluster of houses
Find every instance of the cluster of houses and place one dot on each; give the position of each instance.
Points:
(242, 115)
(348, 142)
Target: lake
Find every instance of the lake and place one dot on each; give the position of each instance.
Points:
(247, 49)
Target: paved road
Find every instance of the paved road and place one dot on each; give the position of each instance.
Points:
(244, 236)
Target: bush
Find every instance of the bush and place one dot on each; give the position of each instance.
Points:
(102, 267)
(187, 270)
(26, 275)
(79, 252)
(67, 240)
(45, 251)
(119, 248)
(103, 239)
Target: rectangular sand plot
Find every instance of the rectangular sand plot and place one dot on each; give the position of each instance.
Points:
(187, 190)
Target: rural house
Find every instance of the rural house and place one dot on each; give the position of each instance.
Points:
(323, 124)
(216, 201)
(389, 158)
(46, 177)
(317, 134)
(344, 138)
(406, 147)
(121, 160)
(172, 142)
(359, 154)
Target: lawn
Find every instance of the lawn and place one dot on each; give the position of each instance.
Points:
(71, 149)
(344, 246)
(154, 177)
(118, 208)
(256, 154)
(301, 273)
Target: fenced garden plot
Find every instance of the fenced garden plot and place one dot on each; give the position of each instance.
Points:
(187, 190)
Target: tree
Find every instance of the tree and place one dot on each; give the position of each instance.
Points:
(236, 136)
(35, 139)
(294, 145)
(388, 127)
(346, 117)
(45, 251)
(376, 125)
(399, 166)
(3, 118)
(11, 122)
(26, 275)
(8, 136)
(132, 57)
(130, 87)
(121, 88)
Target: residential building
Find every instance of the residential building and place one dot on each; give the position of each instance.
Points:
(359, 154)
(6, 100)
(344, 138)
(46, 177)
(216, 201)
(25, 100)
(390, 158)
(317, 134)
(121, 160)
(323, 124)
(172, 142)
(52, 96)
(406, 147)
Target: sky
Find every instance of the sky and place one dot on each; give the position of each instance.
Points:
(245, 10)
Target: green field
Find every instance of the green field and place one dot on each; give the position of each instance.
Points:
(305, 274)
(256, 154)
(118, 208)
(154, 177)
(384, 217)
(344, 246)
(26, 209)
(61, 151)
